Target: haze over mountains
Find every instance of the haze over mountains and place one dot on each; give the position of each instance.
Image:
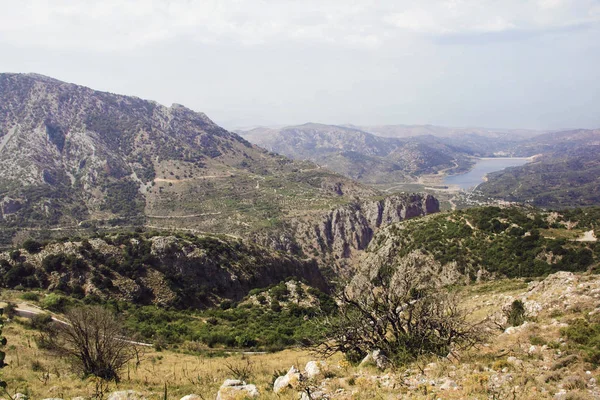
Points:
(387, 155)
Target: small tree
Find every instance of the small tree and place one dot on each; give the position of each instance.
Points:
(402, 314)
(94, 341)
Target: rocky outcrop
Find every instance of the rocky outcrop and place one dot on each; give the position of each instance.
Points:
(342, 232)
(196, 272)
(233, 389)
(291, 380)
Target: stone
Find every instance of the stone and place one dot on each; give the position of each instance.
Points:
(289, 380)
(20, 396)
(449, 385)
(126, 395)
(234, 389)
(313, 368)
(191, 397)
(377, 358)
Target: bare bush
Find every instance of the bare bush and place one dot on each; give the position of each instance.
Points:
(93, 339)
(403, 314)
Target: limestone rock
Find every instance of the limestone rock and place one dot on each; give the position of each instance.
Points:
(289, 380)
(234, 389)
(376, 358)
(313, 368)
(126, 395)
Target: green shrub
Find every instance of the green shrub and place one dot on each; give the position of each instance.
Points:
(32, 246)
(30, 296)
(55, 302)
(586, 337)
(516, 313)
(41, 321)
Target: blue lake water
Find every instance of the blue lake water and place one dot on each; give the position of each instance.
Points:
(483, 167)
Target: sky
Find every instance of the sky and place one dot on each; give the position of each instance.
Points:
(492, 63)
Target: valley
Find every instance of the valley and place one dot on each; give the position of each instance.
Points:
(221, 255)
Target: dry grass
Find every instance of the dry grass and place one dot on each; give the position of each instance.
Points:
(39, 374)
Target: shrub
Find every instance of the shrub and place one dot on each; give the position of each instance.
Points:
(92, 341)
(41, 322)
(32, 246)
(515, 315)
(55, 302)
(30, 296)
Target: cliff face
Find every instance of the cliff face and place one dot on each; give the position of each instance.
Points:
(336, 236)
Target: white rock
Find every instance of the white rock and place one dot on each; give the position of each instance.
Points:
(126, 395)
(377, 358)
(191, 397)
(20, 396)
(514, 360)
(313, 368)
(233, 389)
(449, 385)
(291, 379)
(532, 349)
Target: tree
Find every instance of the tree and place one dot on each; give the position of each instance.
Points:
(404, 314)
(93, 338)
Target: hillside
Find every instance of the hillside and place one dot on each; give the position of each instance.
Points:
(568, 175)
(489, 242)
(181, 271)
(360, 155)
(73, 158)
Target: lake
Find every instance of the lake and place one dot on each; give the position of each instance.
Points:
(483, 167)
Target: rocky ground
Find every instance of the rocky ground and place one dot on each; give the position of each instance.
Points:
(534, 360)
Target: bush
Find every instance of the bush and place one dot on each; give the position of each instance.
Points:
(32, 246)
(55, 302)
(515, 315)
(30, 296)
(41, 322)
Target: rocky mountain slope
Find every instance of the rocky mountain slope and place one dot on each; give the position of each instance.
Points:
(72, 157)
(181, 271)
(337, 237)
(567, 174)
(487, 243)
(360, 155)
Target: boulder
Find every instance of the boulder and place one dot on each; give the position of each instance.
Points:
(449, 385)
(233, 389)
(376, 358)
(126, 395)
(289, 380)
(313, 368)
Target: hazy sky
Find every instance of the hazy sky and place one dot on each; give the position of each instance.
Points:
(492, 63)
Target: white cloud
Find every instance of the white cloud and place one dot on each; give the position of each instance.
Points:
(125, 24)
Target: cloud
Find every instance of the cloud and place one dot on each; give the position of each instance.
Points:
(111, 25)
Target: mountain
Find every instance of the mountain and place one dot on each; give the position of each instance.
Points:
(72, 158)
(404, 131)
(360, 155)
(564, 178)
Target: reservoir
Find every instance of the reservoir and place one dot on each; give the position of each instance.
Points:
(482, 167)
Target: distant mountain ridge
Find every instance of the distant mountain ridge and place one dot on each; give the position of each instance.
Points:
(566, 174)
(361, 155)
